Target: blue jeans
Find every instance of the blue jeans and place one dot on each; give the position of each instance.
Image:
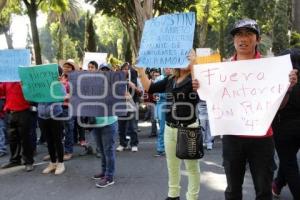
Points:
(207, 138)
(69, 132)
(106, 139)
(2, 135)
(161, 115)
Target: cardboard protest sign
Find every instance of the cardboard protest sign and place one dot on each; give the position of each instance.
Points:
(243, 96)
(96, 94)
(40, 83)
(208, 59)
(10, 60)
(167, 40)
(100, 58)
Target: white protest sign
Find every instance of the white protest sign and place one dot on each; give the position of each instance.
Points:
(203, 51)
(243, 96)
(100, 58)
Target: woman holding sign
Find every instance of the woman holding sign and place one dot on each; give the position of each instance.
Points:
(180, 112)
(52, 127)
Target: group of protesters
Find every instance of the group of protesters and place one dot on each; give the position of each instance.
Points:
(17, 115)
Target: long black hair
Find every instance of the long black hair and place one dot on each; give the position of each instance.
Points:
(295, 57)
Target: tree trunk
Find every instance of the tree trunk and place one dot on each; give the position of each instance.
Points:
(296, 15)
(221, 40)
(143, 13)
(204, 25)
(2, 4)
(60, 51)
(9, 40)
(32, 13)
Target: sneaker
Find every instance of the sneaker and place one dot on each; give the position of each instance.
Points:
(10, 164)
(67, 156)
(275, 190)
(83, 143)
(50, 168)
(209, 146)
(106, 181)
(134, 149)
(98, 176)
(2, 154)
(120, 148)
(159, 154)
(46, 158)
(28, 167)
(60, 168)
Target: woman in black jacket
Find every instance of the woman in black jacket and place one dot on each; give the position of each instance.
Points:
(180, 111)
(286, 127)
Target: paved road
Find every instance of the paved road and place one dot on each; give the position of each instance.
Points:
(139, 176)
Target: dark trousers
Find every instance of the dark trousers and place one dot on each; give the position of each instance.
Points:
(259, 153)
(19, 136)
(128, 127)
(79, 132)
(53, 130)
(33, 129)
(287, 145)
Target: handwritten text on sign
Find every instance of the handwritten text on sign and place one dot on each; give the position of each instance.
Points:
(243, 96)
(40, 83)
(10, 60)
(167, 40)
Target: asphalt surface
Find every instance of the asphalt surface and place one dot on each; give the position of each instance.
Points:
(139, 176)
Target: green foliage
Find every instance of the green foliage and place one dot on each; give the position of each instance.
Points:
(125, 11)
(110, 32)
(91, 36)
(76, 33)
(280, 27)
(10, 8)
(115, 62)
(69, 46)
(295, 40)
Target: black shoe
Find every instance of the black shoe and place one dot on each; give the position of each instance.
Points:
(152, 135)
(159, 154)
(2, 154)
(172, 198)
(28, 167)
(10, 164)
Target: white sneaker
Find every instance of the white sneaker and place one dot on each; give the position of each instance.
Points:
(60, 168)
(134, 149)
(50, 168)
(209, 146)
(120, 148)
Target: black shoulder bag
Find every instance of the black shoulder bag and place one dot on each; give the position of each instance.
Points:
(189, 143)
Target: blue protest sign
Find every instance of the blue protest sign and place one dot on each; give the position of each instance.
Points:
(167, 40)
(10, 60)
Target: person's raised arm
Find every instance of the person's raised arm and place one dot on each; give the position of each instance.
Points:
(144, 78)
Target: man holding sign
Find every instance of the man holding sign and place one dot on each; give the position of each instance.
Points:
(258, 151)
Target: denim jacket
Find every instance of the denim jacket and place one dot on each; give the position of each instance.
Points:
(45, 112)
